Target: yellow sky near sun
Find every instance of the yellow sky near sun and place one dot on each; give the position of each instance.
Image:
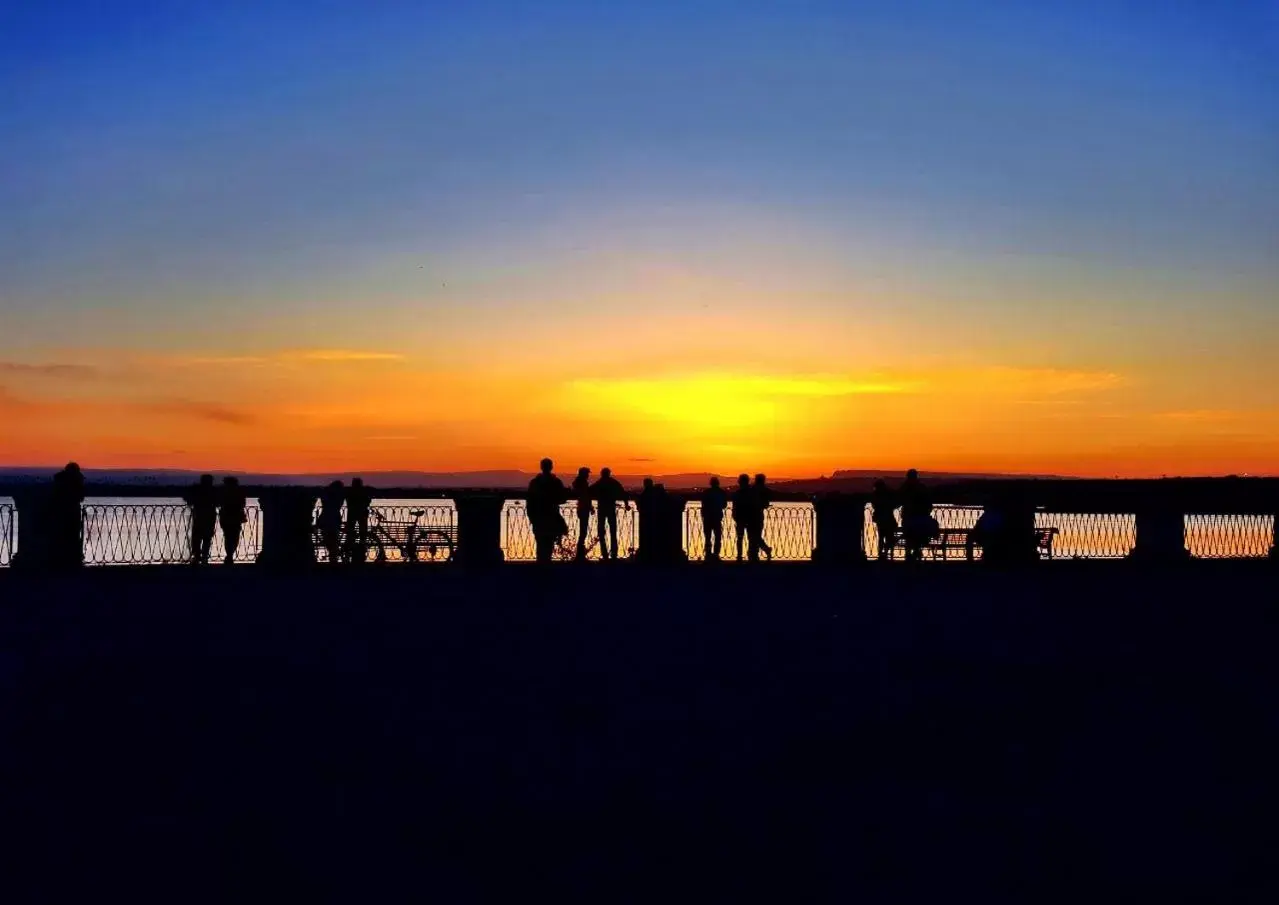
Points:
(373, 409)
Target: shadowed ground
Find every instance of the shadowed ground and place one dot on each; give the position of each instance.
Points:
(613, 734)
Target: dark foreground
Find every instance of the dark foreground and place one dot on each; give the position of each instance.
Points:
(1083, 731)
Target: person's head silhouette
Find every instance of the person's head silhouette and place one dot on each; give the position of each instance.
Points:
(357, 482)
(72, 468)
(759, 480)
(583, 472)
(743, 480)
(648, 483)
(547, 465)
(335, 485)
(912, 475)
(715, 482)
(606, 472)
(206, 480)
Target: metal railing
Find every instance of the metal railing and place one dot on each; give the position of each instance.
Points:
(397, 534)
(519, 545)
(1098, 535)
(8, 533)
(948, 517)
(789, 528)
(156, 533)
(150, 531)
(1229, 536)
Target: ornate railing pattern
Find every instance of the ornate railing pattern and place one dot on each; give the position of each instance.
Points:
(947, 517)
(789, 528)
(1105, 535)
(432, 538)
(149, 531)
(8, 533)
(156, 533)
(518, 544)
(1229, 536)
(1079, 535)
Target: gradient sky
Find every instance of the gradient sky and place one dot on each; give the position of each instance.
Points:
(793, 236)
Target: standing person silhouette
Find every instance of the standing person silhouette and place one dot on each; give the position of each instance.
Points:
(330, 519)
(917, 516)
(66, 517)
(203, 500)
(582, 493)
(882, 505)
(545, 494)
(714, 502)
(358, 500)
(232, 516)
(742, 506)
(755, 530)
(608, 492)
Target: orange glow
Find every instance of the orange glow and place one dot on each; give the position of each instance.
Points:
(333, 409)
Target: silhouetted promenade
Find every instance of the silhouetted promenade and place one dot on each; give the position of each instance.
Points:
(777, 733)
(1001, 521)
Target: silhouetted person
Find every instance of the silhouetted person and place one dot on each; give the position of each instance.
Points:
(330, 519)
(545, 494)
(714, 502)
(203, 500)
(608, 493)
(232, 516)
(755, 529)
(650, 501)
(882, 505)
(358, 500)
(918, 524)
(66, 517)
(742, 506)
(582, 493)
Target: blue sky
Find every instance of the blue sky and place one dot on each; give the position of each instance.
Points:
(1095, 184)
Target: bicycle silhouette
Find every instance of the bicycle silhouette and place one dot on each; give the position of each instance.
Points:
(413, 541)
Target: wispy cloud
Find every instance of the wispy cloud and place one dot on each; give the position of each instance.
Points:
(55, 369)
(198, 410)
(284, 357)
(339, 355)
(1049, 381)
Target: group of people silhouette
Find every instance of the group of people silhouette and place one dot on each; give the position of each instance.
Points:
(918, 526)
(546, 493)
(226, 505)
(211, 506)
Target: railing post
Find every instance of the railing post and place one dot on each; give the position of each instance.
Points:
(661, 529)
(1007, 535)
(841, 529)
(1161, 534)
(1274, 540)
(479, 529)
(287, 526)
(44, 539)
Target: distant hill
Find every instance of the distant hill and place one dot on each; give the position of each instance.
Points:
(861, 481)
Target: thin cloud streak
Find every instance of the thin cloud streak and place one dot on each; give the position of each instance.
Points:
(56, 369)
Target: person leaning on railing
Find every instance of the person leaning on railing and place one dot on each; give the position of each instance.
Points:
(202, 498)
(359, 499)
(330, 519)
(232, 515)
(608, 492)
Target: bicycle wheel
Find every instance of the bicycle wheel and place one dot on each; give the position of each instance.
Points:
(433, 546)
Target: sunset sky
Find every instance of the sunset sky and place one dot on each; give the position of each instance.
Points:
(789, 236)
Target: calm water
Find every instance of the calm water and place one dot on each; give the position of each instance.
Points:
(156, 530)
